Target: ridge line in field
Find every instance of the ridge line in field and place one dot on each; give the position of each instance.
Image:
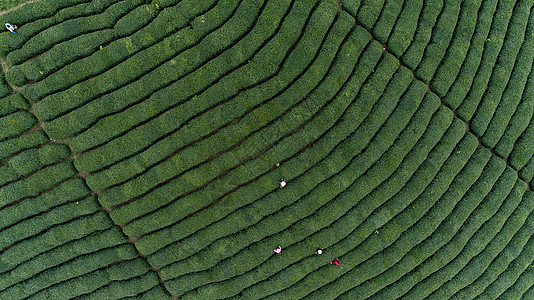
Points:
(5, 67)
(454, 111)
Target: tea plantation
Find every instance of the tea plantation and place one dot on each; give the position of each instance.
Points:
(142, 143)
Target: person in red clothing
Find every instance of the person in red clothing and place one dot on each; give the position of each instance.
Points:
(336, 262)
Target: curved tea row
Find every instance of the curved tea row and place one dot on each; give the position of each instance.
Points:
(142, 144)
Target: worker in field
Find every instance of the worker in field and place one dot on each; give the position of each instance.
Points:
(282, 183)
(278, 250)
(11, 27)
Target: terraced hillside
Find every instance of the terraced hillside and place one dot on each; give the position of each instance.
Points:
(142, 143)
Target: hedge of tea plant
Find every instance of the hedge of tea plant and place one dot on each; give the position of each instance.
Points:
(142, 143)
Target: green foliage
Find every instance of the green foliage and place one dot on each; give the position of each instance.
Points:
(356, 113)
(387, 19)
(33, 185)
(37, 12)
(501, 75)
(457, 51)
(129, 287)
(414, 48)
(227, 224)
(403, 31)
(462, 83)
(522, 152)
(492, 48)
(351, 6)
(121, 69)
(354, 225)
(216, 187)
(403, 130)
(145, 135)
(68, 29)
(75, 269)
(91, 242)
(33, 11)
(16, 78)
(523, 280)
(58, 56)
(528, 171)
(516, 258)
(320, 196)
(66, 192)
(52, 238)
(408, 247)
(36, 225)
(441, 38)
(515, 87)
(519, 121)
(473, 266)
(16, 123)
(22, 142)
(10, 4)
(369, 13)
(220, 143)
(4, 87)
(12, 103)
(286, 216)
(157, 292)
(451, 249)
(32, 160)
(134, 21)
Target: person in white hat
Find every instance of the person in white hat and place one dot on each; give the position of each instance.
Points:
(282, 183)
(10, 27)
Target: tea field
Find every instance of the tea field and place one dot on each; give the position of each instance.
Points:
(142, 143)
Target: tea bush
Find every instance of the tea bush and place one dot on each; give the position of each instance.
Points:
(143, 142)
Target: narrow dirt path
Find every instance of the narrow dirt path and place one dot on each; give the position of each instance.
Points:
(18, 6)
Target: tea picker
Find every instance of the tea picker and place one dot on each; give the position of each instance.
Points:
(11, 27)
